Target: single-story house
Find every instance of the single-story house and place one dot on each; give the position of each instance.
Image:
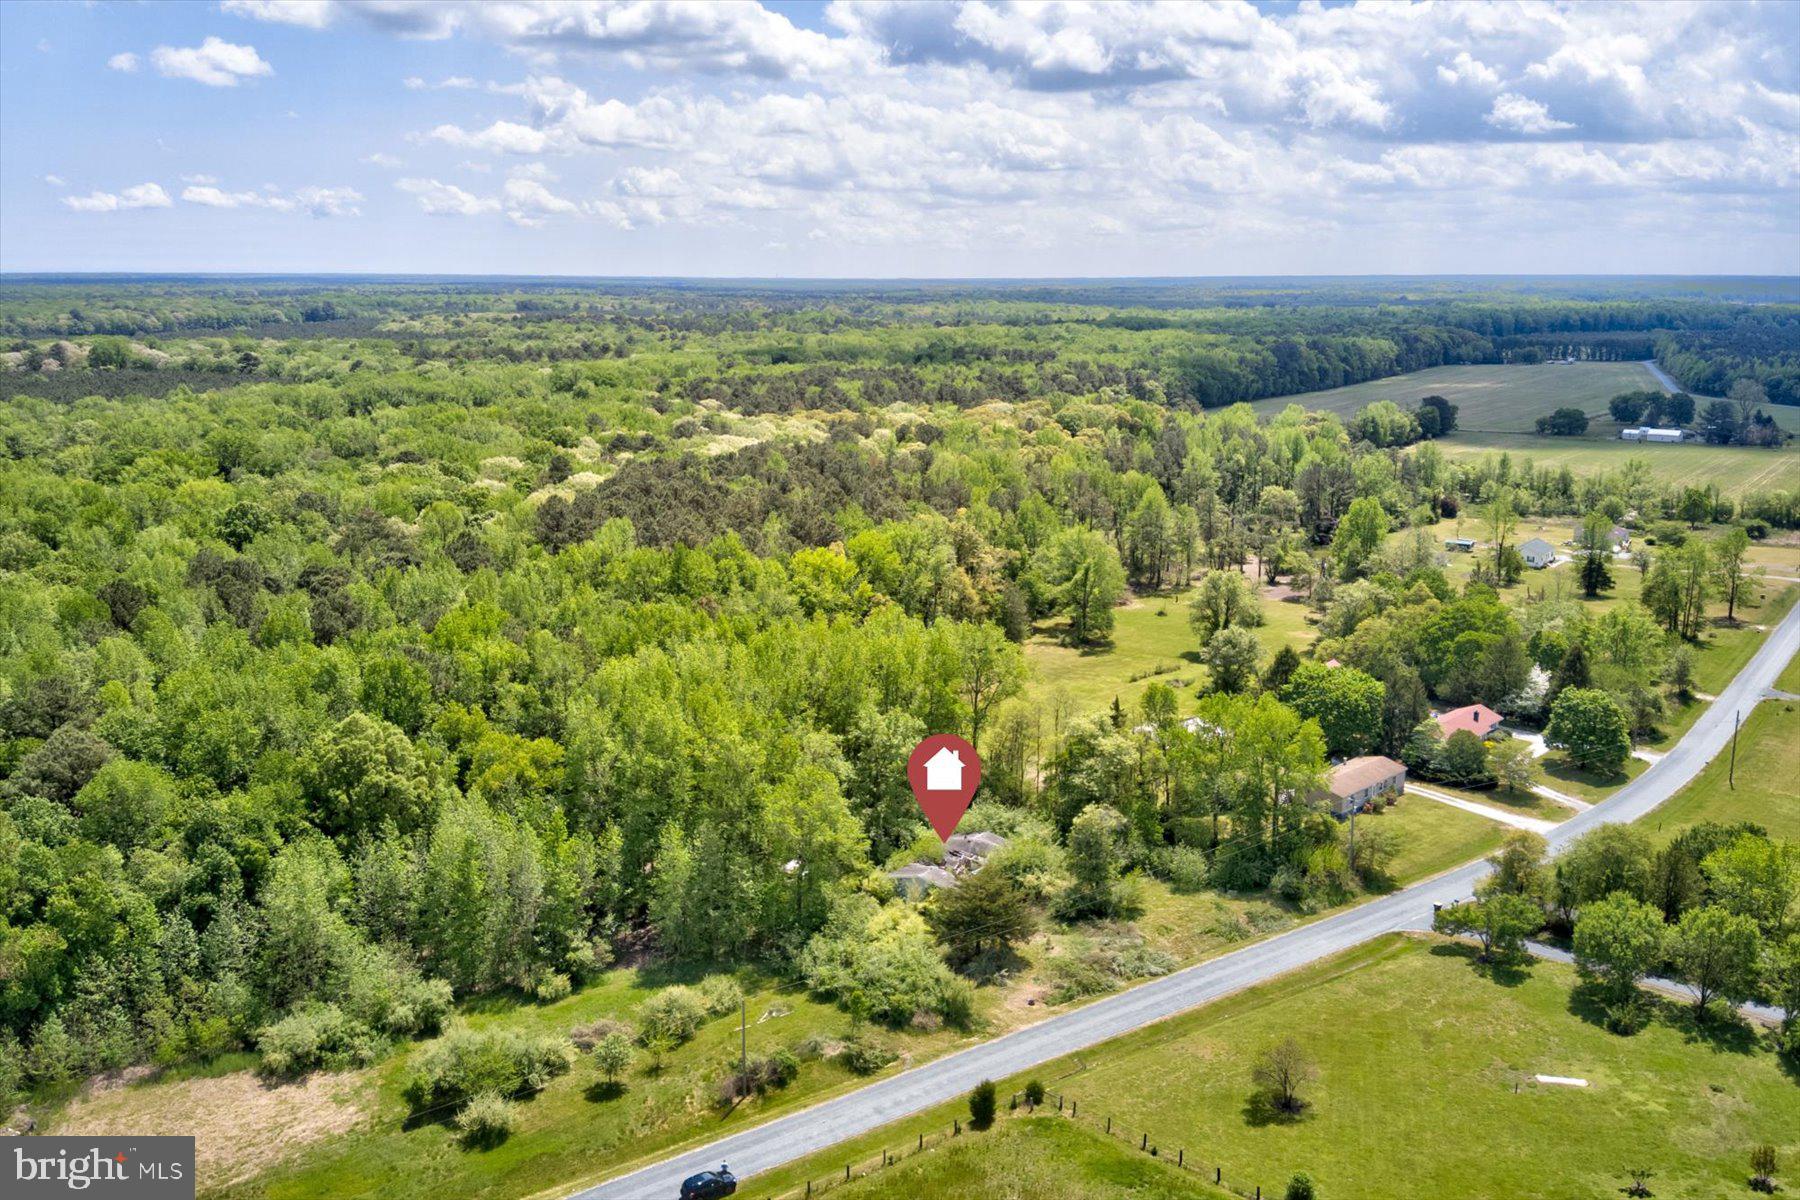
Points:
(915, 881)
(1478, 719)
(1353, 784)
(968, 851)
(1196, 725)
(1651, 433)
(1537, 553)
(1466, 545)
(1618, 537)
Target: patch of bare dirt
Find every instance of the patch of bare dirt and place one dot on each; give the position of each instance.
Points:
(238, 1122)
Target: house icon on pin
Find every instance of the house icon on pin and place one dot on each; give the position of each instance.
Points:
(944, 771)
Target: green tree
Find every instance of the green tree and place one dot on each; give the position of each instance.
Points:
(1083, 573)
(613, 1055)
(1347, 704)
(1231, 658)
(1596, 549)
(985, 909)
(992, 671)
(1359, 535)
(1096, 857)
(1732, 574)
(1715, 952)
(364, 773)
(1618, 939)
(983, 1104)
(1500, 922)
(1461, 758)
(1513, 766)
(1591, 726)
(1223, 599)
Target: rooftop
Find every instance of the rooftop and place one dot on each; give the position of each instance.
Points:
(1353, 776)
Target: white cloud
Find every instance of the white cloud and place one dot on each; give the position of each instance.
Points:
(314, 201)
(214, 62)
(123, 61)
(502, 137)
(55, 181)
(1521, 114)
(382, 159)
(308, 14)
(446, 199)
(1465, 68)
(449, 83)
(143, 195)
(199, 178)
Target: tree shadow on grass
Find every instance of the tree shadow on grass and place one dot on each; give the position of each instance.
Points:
(1262, 1109)
(1507, 971)
(1722, 1030)
(602, 1090)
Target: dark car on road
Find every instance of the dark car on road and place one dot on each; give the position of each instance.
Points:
(708, 1185)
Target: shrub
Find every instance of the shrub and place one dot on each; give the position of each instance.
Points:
(882, 962)
(720, 994)
(317, 1036)
(865, 1055)
(1184, 867)
(613, 1055)
(1300, 1187)
(1034, 1092)
(465, 1063)
(675, 1013)
(551, 987)
(389, 995)
(487, 1119)
(587, 1037)
(982, 1105)
(761, 1075)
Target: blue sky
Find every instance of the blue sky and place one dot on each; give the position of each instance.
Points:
(881, 139)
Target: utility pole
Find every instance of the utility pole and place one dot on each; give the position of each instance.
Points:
(743, 1046)
(1731, 777)
(1353, 837)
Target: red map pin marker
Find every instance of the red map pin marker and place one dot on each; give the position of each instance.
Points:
(944, 771)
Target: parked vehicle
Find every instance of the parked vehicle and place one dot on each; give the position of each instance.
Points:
(708, 1185)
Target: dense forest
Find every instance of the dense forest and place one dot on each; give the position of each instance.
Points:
(424, 641)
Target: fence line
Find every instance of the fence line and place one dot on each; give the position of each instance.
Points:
(1068, 1107)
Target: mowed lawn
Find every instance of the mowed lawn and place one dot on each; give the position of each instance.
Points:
(1434, 837)
(1767, 780)
(1489, 397)
(1425, 1089)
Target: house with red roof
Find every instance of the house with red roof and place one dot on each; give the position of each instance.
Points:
(1478, 719)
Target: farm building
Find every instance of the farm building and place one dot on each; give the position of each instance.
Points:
(1537, 553)
(1650, 433)
(1478, 719)
(1466, 545)
(1354, 783)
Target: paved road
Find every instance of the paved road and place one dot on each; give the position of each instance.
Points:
(798, 1134)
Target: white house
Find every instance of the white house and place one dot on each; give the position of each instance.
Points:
(1537, 553)
(944, 771)
(1354, 784)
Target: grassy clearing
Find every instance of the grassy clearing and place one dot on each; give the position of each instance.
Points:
(1488, 397)
(1424, 1089)
(1151, 642)
(1767, 790)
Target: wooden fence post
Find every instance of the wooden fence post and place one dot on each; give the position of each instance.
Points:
(921, 1141)
(1181, 1158)
(955, 1127)
(846, 1172)
(1109, 1124)
(1073, 1104)
(1145, 1143)
(1218, 1174)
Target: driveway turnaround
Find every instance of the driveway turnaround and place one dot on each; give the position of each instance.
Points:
(840, 1118)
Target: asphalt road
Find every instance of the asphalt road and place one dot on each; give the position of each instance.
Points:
(798, 1134)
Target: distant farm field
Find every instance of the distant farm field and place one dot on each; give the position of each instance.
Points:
(1489, 398)
(1735, 470)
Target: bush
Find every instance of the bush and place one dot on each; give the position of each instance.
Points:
(1300, 1187)
(1185, 868)
(613, 1055)
(588, 1036)
(982, 1105)
(487, 1119)
(675, 1013)
(720, 994)
(551, 987)
(466, 1063)
(1034, 1092)
(389, 995)
(761, 1075)
(314, 1037)
(882, 962)
(865, 1055)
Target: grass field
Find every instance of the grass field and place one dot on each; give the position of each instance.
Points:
(1040, 1157)
(1151, 642)
(1735, 470)
(1489, 398)
(1434, 837)
(1767, 788)
(1425, 1088)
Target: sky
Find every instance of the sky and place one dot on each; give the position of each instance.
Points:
(869, 138)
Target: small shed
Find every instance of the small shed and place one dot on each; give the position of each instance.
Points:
(1465, 545)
